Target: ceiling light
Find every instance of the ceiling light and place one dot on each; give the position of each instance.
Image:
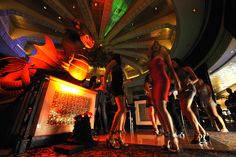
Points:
(73, 6)
(95, 4)
(194, 10)
(59, 17)
(44, 7)
(155, 8)
(84, 48)
(101, 45)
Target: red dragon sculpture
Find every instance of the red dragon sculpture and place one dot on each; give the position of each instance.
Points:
(16, 73)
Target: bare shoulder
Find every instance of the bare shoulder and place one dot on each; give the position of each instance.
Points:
(111, 63)
(188, 68)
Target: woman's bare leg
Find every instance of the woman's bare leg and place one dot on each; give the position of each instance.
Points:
(158, 122)
(153, 118)
(120, 101)
(159, 114)
(211, 119)
(168, 122)
(214, 111)
(187, 111)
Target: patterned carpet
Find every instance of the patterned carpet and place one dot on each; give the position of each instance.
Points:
(131, 151)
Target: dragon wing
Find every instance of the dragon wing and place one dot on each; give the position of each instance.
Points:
(47, 57)
(11, 64)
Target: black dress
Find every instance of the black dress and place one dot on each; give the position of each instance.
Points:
(117, 81)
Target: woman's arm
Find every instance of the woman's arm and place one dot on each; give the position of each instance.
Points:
(169, 63)
(110, 65)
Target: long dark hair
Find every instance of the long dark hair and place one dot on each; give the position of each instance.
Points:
(151, 49)
(178, 61)
(92, 82)
(117, 58)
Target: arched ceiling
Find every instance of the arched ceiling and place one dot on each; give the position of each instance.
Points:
(126, 27)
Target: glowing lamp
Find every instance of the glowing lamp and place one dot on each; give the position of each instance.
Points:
(87, 41)
(79, 68)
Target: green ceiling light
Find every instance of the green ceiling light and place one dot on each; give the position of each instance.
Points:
(119, 8)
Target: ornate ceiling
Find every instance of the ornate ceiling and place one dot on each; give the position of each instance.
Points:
(126, 27)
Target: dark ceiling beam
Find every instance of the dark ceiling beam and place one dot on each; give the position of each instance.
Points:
(31, 14)
(209, 34)
(229, 17)
(57, 6)
(105, 18)
(19, 32)
(140, 44)
(139, 55)
(168, 21)
(133, 12)
(88, 18)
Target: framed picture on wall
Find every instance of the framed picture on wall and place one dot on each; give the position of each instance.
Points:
(142, 114)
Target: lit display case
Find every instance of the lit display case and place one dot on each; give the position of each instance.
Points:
(60, 103)
(46, 111)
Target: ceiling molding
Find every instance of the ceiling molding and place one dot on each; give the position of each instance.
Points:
(14, 7)
(130, 54)
(167, 21)
(57, 6)
(132, 64)
(135, 10)
(134, 45)
(146, 29)
(18, 33)
(105, 18)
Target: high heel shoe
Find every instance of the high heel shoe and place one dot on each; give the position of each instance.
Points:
(156, 132)
(166, 147)
(111, 143)
(122, 143)
(197, 139)
(171, 145)
(224, 130)
(174, 144)
(206, 137)
(120, 140)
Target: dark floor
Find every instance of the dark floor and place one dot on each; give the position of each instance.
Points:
(145, 143)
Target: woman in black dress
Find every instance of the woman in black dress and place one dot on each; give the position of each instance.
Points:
(114, 66)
